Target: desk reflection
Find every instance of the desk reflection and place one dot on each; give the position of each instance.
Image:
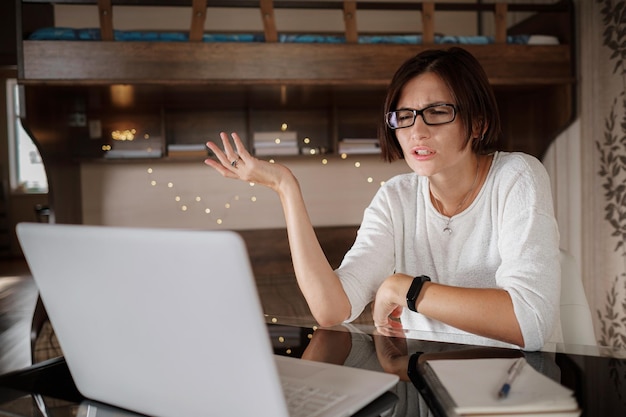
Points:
(599, 380)
(345, 346)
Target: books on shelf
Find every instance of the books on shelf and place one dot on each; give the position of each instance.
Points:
(272, 137)
(187, 150)
(470, 387)
(276, 150)
(133, 153)
(276, 143)
(359, 146)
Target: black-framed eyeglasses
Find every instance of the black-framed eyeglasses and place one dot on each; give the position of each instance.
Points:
(436, 114)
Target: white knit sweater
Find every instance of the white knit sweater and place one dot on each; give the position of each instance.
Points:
(508, 238)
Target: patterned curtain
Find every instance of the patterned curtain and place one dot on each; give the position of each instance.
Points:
(603, 129)
(587, 165)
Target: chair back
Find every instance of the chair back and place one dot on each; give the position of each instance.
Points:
(576, 319)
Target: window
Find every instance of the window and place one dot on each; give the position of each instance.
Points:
(27, 173)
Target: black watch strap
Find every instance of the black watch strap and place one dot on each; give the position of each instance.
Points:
(414, 291)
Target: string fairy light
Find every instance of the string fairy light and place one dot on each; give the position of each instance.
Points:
(218, 215)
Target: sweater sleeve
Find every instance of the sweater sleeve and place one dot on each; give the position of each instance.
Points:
(371, 259)
(529, 248)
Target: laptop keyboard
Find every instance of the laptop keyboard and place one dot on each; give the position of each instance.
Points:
(308, 401)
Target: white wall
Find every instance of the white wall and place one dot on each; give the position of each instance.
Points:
(121, 194)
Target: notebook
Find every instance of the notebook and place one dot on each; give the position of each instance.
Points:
(168, 322)
(471, 387)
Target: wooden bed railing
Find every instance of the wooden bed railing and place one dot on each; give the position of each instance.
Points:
(350, 8)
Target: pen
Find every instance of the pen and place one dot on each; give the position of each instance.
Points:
(511, 374)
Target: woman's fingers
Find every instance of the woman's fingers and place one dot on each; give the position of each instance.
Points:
(228, 158)
(225, 172)
(219, 154)
(242, 152)
(240, 164)
(228, 154)
(228, 148)
(390, 331)
(234, 157)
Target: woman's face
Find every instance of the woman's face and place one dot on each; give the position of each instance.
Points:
(431, 150)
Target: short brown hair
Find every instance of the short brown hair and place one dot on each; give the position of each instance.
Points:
(470, 88)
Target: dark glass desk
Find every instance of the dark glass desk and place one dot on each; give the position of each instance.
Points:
(597, 375)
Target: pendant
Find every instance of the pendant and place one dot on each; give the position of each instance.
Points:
(447, 230)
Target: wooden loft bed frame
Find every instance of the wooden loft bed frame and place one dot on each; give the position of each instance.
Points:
(266, 7)
(534, 84)
(522, 75)
(201, 62)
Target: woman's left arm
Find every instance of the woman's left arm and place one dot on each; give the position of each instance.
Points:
(482, 311)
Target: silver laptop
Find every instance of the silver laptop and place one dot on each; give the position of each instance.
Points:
(168, 323)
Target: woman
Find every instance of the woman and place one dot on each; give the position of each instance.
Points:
(467, 243)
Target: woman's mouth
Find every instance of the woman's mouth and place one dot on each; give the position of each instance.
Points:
(422, 152)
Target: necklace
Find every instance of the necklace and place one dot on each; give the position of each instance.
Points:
(447, 228)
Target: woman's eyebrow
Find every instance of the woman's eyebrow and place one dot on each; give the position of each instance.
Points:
(436, 103)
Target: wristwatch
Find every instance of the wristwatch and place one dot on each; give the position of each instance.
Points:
(414, 291)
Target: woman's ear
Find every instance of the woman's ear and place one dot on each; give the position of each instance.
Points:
(479, 129)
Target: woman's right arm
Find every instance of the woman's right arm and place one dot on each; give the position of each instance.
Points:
(318, 282)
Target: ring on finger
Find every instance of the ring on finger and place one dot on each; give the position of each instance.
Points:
(234, 162)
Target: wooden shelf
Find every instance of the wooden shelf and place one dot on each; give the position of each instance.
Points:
(262, 63)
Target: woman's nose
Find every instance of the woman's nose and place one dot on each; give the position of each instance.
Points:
(420, 129)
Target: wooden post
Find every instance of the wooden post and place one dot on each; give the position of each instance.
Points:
(269, 23)
(105, 13)
(198, 17)
(500, 22)
(349, 17)
(428, 23)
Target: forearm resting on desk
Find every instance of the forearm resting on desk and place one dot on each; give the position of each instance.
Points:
(485, 312)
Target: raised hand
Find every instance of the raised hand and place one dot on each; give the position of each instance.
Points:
(238, 163)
